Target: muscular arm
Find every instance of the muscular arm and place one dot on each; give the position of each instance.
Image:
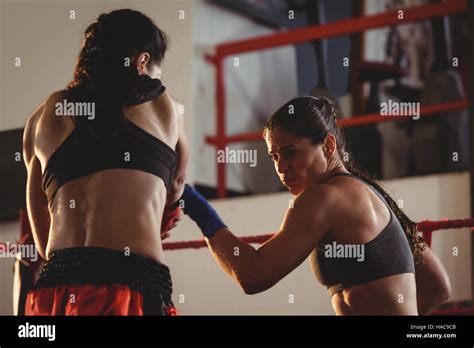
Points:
(36, 200)
(432, 283)
(257, 270)
(182, 149)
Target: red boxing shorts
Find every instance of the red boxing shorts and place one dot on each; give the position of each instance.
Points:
(100, 281)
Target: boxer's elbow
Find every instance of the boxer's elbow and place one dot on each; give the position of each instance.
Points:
(256, 282)
(443, 292)
(430, 301)
(252, 288)
(41, 243)
(433, 286)
(446, 290)
(262, 277)
(176, 190)
(246, 279)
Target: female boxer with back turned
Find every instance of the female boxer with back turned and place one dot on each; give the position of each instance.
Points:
(98, 186)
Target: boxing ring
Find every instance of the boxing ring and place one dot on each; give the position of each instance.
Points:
(333, 29)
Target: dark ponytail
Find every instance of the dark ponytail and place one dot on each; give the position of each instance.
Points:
(104, 73)
(317, 117)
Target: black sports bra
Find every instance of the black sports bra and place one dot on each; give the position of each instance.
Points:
(131, 147)
(340, 266)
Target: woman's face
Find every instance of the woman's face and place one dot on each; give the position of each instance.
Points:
(298, 162)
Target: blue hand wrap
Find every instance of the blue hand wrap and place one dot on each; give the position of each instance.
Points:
(198, 209)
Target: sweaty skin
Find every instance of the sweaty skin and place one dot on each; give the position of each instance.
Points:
(115, 208)
(340, 209)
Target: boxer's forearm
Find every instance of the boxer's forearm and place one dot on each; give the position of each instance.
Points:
(238, 259)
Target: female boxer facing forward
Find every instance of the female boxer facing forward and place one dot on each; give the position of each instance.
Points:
(98, 184)
(361, 245)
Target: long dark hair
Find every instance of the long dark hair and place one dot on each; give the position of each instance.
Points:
(315, 118)
(104, 72)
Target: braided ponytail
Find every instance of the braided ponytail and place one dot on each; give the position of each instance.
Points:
(104, 73)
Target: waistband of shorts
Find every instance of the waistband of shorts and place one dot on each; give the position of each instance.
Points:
(102, 266)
